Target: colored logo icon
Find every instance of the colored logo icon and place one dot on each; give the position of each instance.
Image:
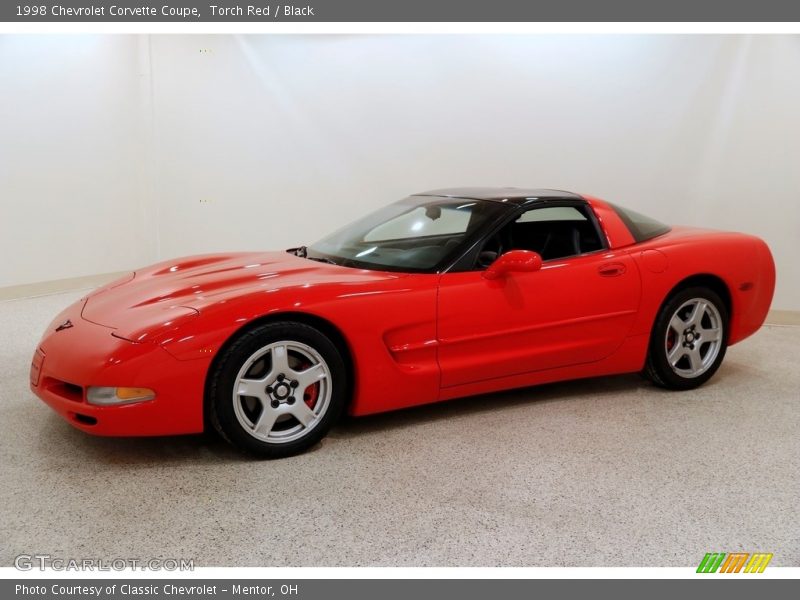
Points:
(734, 562)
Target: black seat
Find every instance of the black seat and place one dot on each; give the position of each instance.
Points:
(561, 241)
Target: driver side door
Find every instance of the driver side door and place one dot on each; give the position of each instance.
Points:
(576, 309)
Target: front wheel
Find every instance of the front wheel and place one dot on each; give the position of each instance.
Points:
(689, 339)
(277, 389)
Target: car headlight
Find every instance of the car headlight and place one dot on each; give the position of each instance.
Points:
(111, 396)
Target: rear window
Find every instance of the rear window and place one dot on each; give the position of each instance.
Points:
(641, 227)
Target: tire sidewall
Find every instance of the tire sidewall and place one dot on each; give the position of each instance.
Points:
(224, 374)
(658, 366)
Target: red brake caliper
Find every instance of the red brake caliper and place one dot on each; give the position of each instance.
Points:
(311, 393)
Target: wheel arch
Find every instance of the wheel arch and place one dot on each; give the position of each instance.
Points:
(328, 328)
(708, 280)
(714, 282)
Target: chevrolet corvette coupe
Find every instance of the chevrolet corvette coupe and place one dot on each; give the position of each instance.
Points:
(444, 294)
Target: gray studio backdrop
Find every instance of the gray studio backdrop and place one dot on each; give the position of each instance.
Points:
(116, 151)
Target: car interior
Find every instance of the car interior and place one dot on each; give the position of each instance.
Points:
(553, 232)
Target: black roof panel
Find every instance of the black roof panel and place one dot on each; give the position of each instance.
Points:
(503, 194)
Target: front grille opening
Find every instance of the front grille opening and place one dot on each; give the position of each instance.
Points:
(73, 390)
(85, 419)
(66, 390)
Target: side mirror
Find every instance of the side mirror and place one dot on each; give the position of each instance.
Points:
(514, 261)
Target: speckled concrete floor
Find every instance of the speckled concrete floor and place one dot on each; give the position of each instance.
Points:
(605, 472)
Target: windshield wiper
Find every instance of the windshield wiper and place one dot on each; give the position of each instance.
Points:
(302, 252)
(322, 260)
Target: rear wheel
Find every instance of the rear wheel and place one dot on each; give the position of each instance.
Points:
(277, 389)
(689, 339)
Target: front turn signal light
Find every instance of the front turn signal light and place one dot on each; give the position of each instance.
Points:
(110, 396)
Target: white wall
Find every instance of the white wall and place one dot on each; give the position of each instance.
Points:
(271, 141)
(71, 156)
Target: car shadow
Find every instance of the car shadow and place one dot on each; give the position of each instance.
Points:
(130, 451)
(566, 391)
(211, 448)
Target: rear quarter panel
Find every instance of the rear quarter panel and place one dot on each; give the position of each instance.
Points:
(743, 262)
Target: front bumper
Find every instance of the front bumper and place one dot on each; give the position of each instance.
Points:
(67, 362)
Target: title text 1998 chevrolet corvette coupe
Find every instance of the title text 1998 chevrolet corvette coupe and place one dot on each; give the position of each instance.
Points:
(444, 294)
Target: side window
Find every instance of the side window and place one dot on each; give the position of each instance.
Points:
(553, 231)
(552, 213)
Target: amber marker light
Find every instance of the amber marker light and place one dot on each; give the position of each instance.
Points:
(111, 396)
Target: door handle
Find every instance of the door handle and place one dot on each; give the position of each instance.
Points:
(611, 269)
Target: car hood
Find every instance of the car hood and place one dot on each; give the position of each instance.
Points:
(160, 295)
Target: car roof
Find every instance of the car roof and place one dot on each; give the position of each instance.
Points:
(504, 194)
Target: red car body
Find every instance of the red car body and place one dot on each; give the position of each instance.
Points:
(410, 338)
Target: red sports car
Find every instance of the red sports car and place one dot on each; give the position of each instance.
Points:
(443, 294)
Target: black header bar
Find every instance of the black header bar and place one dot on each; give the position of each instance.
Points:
(399, 11)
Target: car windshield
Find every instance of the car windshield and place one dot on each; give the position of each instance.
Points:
(416, 234)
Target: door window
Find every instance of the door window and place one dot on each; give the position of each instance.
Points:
(554, 232)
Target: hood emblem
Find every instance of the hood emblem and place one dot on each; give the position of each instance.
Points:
(65, 325)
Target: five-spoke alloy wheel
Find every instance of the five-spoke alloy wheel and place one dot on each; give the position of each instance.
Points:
(694, 337)
(277, 389)
(689, 339)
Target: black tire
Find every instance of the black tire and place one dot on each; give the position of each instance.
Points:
(658, 368)
(221, 409)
